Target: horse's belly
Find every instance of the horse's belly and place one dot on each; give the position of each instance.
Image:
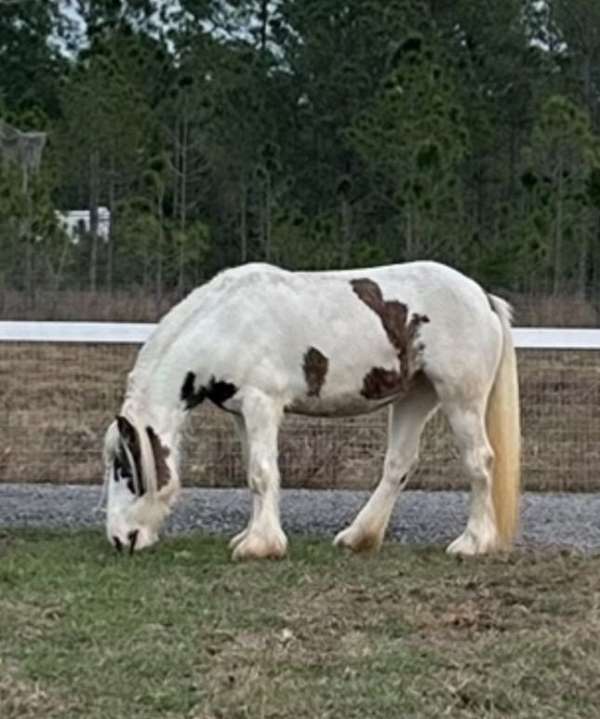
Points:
(336, 406)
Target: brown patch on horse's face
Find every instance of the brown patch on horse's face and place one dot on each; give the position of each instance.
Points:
(160, 453)
(315, 369)
(380, 383)
(129, 436)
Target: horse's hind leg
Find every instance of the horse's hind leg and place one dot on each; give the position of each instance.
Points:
(467, 419)
(406, 422)
(264, 536)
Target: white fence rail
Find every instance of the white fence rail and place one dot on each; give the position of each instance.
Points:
(87, 332)
(547, 338)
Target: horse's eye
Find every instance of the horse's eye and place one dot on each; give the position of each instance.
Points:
(122, 471)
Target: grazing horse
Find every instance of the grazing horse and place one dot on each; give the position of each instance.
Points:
(259, 341)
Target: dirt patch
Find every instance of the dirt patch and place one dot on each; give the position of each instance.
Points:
(24, 699)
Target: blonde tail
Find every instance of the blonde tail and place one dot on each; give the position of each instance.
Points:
(504, 433)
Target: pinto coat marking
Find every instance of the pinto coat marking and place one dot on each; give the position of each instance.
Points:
(315, 370)
(380, 383)
(218, 392)
(161, 453)
(128, 459)
(260, 341)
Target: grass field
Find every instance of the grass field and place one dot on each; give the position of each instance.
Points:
(182, 632)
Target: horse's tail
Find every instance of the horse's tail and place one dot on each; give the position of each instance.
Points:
(504, 432)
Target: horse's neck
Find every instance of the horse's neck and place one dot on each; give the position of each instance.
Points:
(166, 418)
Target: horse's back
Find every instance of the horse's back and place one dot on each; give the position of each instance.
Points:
(348, 332)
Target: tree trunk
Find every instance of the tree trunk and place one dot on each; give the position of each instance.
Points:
(582, 264)
(185, 136)
(409, 240)
(160, 251)
(25, 231)
(267, 216)
(588, 92)
(243, 219)
(264, 24)
(93, 210)
(110, 249)
(183, 167)
(345, 230)
(558, 238)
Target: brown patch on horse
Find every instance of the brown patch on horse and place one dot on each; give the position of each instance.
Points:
(315, 368)
(217, 391)
(379, 382)
(160, 453)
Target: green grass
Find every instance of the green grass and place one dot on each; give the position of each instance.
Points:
(180, 631)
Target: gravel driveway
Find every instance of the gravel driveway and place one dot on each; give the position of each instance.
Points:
(565, 520)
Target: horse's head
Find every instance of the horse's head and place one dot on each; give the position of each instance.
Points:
(136, 464)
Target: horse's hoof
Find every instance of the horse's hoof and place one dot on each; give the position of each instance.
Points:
(469, 545)
(234, 541)
(359, 542)
(256, 546)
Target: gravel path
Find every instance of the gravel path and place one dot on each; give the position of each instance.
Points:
(565, 520)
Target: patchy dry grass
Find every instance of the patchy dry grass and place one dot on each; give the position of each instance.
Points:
(182, 632)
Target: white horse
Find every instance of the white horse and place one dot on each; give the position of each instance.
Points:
(259, 341)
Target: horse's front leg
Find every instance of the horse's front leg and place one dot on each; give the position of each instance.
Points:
(240, 426)
(264, 537)
(254, 512)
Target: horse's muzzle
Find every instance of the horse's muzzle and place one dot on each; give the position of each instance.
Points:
(132, 537)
